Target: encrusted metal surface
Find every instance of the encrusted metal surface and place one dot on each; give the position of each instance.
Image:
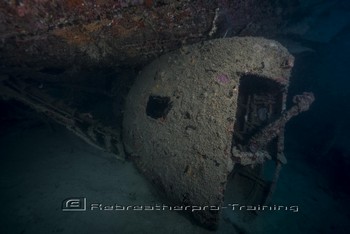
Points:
(181, 114)
(39, 33)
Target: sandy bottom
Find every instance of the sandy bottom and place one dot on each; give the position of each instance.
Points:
(43, 165)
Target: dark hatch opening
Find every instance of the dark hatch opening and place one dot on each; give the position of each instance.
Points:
(259, 102)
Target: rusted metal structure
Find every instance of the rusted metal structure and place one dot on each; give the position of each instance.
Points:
(208, 114)
(98, 33)
(62, 34)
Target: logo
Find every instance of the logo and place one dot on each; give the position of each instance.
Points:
(74, 204)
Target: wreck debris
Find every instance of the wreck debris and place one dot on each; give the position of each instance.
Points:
(255, 147)
(81, 124)
(263, 137)
(288, 63)
(255, 151)
(249, 158)
(214, 23)
(211, 132)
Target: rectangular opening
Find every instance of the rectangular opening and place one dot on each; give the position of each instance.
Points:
(259, 103)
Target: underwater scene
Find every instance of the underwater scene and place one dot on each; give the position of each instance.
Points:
(158, 116)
